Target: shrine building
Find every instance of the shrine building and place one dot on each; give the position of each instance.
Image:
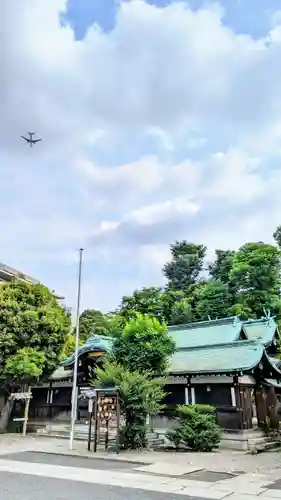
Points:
(229, 363)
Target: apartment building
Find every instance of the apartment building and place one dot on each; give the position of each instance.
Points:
(8, 273)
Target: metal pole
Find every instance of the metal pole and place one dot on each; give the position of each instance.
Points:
(75, 370)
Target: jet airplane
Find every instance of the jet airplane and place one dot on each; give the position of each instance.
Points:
(30, 140)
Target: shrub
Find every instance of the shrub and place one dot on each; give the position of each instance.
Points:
(196, 428)
(133, 435)
(197, 407)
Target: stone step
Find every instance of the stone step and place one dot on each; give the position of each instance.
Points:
(111, 441)
(153, 438)
(260, 439)
(269, 445)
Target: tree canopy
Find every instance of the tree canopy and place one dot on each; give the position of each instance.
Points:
(144, 301)
(185, 267)
(33, 331)
(144, 345)
(235, 282)
(92, 321)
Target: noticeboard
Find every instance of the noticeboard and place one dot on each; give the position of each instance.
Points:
(104, 410)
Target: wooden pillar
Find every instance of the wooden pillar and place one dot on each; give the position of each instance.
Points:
(233, 396)
(237, 396)
(261, 406)
(247, 408)
(187, 392)
(192, 390)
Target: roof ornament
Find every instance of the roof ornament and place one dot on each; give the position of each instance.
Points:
(235, 320)
(210, 319)
(267, 314)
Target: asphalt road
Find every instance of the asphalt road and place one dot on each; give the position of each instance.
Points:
(27, 487)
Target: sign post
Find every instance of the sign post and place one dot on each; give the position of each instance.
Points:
(107, 409)
(23, 396)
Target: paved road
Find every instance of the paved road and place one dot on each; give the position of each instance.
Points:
(27, 487)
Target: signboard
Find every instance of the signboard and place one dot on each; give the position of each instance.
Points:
(87, 392)
(106, 409)
(20, 395)
(23, 396)
(106, 415)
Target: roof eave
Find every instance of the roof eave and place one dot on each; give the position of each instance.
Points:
(233, 371)
(274, 367)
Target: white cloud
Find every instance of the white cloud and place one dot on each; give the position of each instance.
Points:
(167, 126)
(141, 176)
(149, 223)
(161, 212)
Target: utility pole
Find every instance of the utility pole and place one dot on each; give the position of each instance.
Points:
(75, 370)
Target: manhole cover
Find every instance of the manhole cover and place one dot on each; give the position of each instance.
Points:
(210, 476)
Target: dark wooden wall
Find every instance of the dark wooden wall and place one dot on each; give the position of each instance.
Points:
(218, 395)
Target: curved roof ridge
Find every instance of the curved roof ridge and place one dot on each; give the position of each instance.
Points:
(96, 336)
(263, 329)
(94, 342)
(263, 319)
(231, 345)
(209, 322)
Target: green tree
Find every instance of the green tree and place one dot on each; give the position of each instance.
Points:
(255, 274)
(185, 267)
(277, 236)
(241, 310)
(212, 300)
(116, 323)
(139, 396)
(220, 268)
(33, 330)
(69, 346)
(144, 301)
(144, 345)
(181, 313)
(26, 365)
(91, 322)
(169, 299)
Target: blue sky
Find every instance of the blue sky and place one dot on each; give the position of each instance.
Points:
(244, 16)
(160, 121)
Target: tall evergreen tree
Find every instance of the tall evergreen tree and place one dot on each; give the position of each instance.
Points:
(185, 267)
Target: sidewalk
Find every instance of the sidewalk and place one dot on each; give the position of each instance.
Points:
(223, 461)
(179, 473)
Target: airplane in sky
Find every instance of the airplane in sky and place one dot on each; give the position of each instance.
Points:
(31, 141)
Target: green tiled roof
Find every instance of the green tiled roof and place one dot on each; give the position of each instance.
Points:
(206, 332)
(94, 343)
(262, 330)
(224, 358)
(276, 362)
(273, 382)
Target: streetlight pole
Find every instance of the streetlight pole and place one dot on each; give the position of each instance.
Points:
(75, 370)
